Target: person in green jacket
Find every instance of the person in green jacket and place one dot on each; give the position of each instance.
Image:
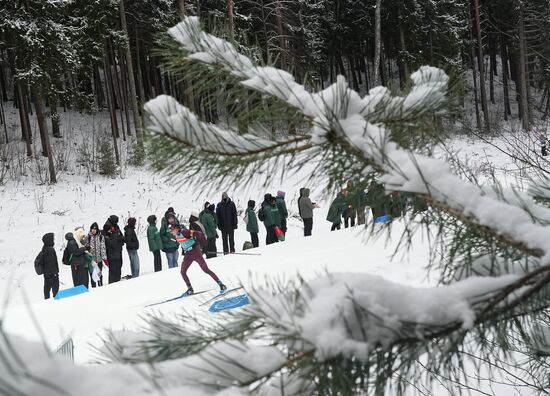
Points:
(336, 209)
(252, 223)
(281, 205)
(155, 243)
(272, 219)
(208, 219)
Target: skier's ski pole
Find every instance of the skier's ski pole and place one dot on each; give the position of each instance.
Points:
(242, 254)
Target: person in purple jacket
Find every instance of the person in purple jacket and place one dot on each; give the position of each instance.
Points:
(192, 241)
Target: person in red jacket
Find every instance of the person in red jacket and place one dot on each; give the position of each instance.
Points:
(192, 241)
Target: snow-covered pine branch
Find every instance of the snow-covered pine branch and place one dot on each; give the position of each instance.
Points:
(363, 127)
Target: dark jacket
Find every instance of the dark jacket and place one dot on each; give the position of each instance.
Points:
(130, 237)
(49, 257)
(272, 217)
(114, 240)
(75, 253)
(226, 213)
(305, 206)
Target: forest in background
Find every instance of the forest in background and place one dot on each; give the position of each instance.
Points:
(103, 55)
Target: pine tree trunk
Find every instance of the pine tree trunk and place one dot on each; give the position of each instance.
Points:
(482, 91)
(43, 126)
(403, 66)
(525, 119)
(130, 72)
(109, 97)
(377, 42)
(142, 98)
(54, 117)
(24, 117)
(124, 96)
(181, 7)
(280, 31)
(505, 76)
(2, 114)
(230, 19)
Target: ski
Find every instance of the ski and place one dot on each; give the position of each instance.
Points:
(220, 294)
(184, 295)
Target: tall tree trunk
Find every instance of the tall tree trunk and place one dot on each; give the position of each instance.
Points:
(525, 119)
(377, 42)
(2, 114)
(125, 100)
(482, 90)
(54, 115)
(230, 18)
(43, 126)
(24, 117)
(110, 100)
(505, 76)
(181, 7)
(402, 59)
(280, 32)
(130, 69)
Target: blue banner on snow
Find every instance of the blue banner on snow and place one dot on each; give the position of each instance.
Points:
(230, 303)
(73, 291)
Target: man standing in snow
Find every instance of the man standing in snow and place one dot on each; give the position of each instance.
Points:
(192, 241)
(336, 209)
(96, 246)
(272, 219)
(305, 208)
(350, 210)
(132, 245)
(154, 241)
(226, 213)
(114, 240)
(208, 219)
(50, 266)
(281, 205)
(75, 256)
(252, 223)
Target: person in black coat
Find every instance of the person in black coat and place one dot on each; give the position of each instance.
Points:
(132, 246)
(226, 213)
(50, 265)
(75, 257)
(114, 240)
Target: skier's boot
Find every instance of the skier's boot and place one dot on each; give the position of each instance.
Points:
(223, 288)
(189, 291)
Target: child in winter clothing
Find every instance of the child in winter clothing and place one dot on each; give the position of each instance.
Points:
(96, 246)
(281, 205)
(50, 266)
(194, 252)
(252, 223)
(209, 220)
(155, 243)
(132, 246)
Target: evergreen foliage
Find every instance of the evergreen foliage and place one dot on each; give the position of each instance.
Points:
(106, 157)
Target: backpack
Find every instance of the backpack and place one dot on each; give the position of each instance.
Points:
(39, 263)
(261, 215)
(248, 245)
(66, 257)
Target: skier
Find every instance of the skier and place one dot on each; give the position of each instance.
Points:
(114, 240)
(281, 205)
(305, 208)
(543, 145)
(227, 222)
(252, 223)
(208, 219)
(154, 241)
(169, 244)
(132, 245)
(193, 240)
(336, 210)
(272, 219)
(96, 246)
(75, 257)
(50, 267)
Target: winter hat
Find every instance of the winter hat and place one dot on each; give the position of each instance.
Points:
(195, 214)
(206, 205)
(69, 236)
(151, 219)
(48, 239)
(224, 195)
(251, 204)
(132, 221)
(280, 194)
(212, 207)
(113, 219)
(267, 197)
(94, 226)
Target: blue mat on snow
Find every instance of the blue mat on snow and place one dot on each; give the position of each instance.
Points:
(73, 291)
(383, 219)
(230, 303)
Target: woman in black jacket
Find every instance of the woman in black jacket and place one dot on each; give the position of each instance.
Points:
(50, 266)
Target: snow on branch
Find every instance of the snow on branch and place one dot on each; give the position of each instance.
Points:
(363, 127)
